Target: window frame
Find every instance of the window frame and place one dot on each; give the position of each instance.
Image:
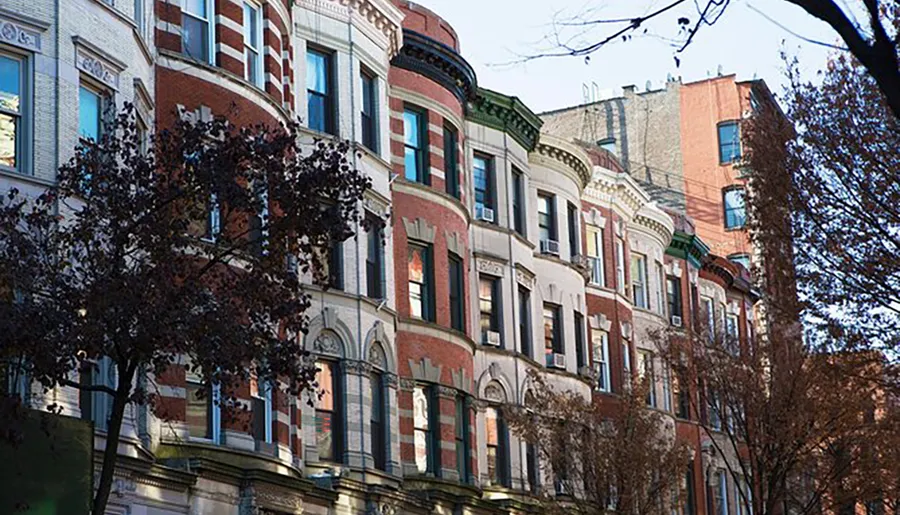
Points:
(551, 228)
(495, 315)
(336, 266)
(427, 286)
(336, 411)
(721, 494)
(330, 105)
(572, 226)
(420, 152)
(648, 370)
(378, 420)
(518, 202)
(557, 345)
(733, 157)
(264, 394)
(210, 21)
(525, 329)
(103, 97)
(621, 285)
(462, 439)
(733, 220)
(501, 475)
(23, 119)
(375, 283)
(432, 444)
(674, 301)
(580, 351)
(369, 134)
(598, 267)
(258, 61)
(600, 341)
(490, 177)
(639, 281)
(451, 160)
(213, 411)
(456, 271)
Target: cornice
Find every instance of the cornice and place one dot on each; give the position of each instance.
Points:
(430, 58)
(567, 154)
(507, 114)
(654, 219)
(688, 247)
(382, 16)
(609, 186)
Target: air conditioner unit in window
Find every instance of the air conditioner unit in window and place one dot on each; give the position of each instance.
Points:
(556, 360)
(485, 214)
(550, 247)
(676, 321)
(492, 338)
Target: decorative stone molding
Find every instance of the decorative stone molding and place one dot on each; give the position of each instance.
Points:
(201, 114)
(494, 392)
(594, 217)
(489, 266)
(455, 243)
(568, 155)
(407, 384)
(424, 370)
(447, 392)
(97, 63)
(377, 206)
(524, 277)
(354, 367)
(461, 380)
(383, 18)
(554, 293)
(431, 58)
(22, 32)
(391, 380)
(626, 328)
(600, 322)
(507, 114)
(674, 269)
(734, 308)
(329, 344)
(376, 356)
(419, 229)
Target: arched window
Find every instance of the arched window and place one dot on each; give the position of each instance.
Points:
(496, 437)
(329, 415)
(378, 420)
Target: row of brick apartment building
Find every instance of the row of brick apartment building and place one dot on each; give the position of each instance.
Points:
(516, 242)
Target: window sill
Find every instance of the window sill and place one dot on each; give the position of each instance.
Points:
(14, 174)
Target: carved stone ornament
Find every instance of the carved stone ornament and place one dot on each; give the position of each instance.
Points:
(391, 380)
(493, 392)
(525, 278)
(381, 508)
(626, 330)
(448, 392)
(594, 217)
(407, 383)
(327, 343)
(419, 229)
(488, 266)
(599, 321)
(376, 356)
(455, 243)
(354, 367)
(15, 34)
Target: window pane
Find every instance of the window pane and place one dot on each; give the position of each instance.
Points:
(250, 25)
(420, 423)
(317, 107)
(481, 173)
(324, 434)
(411, 128)
(411, 164)
(325, 382)
(89, 105)
(317, 72)
(196, 7)
(10, 83)
(195, 38)
(197, 411)
(417, 265)
(8, 136)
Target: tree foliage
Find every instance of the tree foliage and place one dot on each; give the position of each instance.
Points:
(600, 458)
(190, 250)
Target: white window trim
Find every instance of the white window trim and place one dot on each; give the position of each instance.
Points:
(211, 28)
(601, 340)
(620, 266)
(215, 414)
(25, 145)
(640, 279)
(596, 234)
(260, 78)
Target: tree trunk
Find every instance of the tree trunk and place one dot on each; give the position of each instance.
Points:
(113, 432)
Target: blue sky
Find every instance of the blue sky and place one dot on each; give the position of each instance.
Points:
(745, 42)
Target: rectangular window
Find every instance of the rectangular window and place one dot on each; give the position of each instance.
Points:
(721, 492)
(525, 322)
(424, 430)
(626, 361)
(253, 63)
(531, 463)
(579, 340)
(139, 18)
(203, 415)
(196, 34)
(369, 114)
(518, 202)
(97, 406)
(735, 208)
(673, 296)
(546, 217)
(462, 439)
(601, 360)
(690, 495)
(336, 266)
(483, 181)
(714, 410)
(377, 423)
(489, 308)
(572, 223)
(457, 293)
(375, 259)
(421, 296)
(667, 388)
(648, 374)
(328, 413)
(90, 113)
(732, 336)
(320, 91)
(261, 410)
(729, 143)
(660, 288)
(451, 161)
(620, 266)
(14, 100)
(709, 314)
(497, 458)
(415, 142)
(682, 398)
(595, 255)
(639, 281)
(552, 330)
